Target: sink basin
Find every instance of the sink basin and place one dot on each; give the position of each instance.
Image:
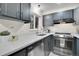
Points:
(41, 34)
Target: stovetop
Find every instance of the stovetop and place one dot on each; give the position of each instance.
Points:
(63, 33)
(59, 34)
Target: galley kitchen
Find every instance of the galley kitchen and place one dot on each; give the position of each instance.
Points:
(39, 29)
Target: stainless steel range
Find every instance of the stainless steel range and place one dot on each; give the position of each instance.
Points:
(63, 43)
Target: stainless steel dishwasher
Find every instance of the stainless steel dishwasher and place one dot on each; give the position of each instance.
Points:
(40, 48)
(36, 49)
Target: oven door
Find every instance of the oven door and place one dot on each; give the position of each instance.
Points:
(61, 48)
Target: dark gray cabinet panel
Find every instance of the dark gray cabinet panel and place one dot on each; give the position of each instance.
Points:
(25, 11)
(16, 10)
(36, 22)
(63, 15)
(13, 10)
(74, 46)
(4, 8)
(76, 15)
(57, 16)
(48, 20)
(67, 14)
(10, 9)
(48, 45)
(77, 47)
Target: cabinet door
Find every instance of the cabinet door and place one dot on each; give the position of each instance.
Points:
(51, 43)
(48, 20)
(4, 8)
(77, 47)
(36, 49)
(76, 15)
(13, 10)
(47, 45)
(25, 11)
(67, 14)
(57, 16)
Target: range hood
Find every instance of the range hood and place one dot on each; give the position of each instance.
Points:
(67, 20)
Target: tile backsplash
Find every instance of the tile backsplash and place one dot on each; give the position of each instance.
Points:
(67, 28)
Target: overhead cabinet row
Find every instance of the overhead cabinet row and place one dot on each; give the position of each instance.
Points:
(48, 19)
(16, 10)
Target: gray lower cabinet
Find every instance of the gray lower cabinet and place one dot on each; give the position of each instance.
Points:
(77, 47)
(48, 45)
(36, 49)
(40, 48)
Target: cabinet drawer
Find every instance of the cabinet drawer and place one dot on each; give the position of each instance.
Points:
(29, 48)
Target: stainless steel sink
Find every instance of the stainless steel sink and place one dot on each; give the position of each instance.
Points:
(41, 34)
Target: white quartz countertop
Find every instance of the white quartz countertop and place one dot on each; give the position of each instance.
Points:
(76, 35)
(24, 40)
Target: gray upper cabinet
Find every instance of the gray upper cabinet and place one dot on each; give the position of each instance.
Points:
(63, 15)
(25, 11)
(57, 16)
(67, 14)
(13, 10)
(48, 19)
(10, 9)
(16, 10)
(4, 8)
(76, 15)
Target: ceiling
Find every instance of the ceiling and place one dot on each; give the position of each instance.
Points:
(55, 7)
